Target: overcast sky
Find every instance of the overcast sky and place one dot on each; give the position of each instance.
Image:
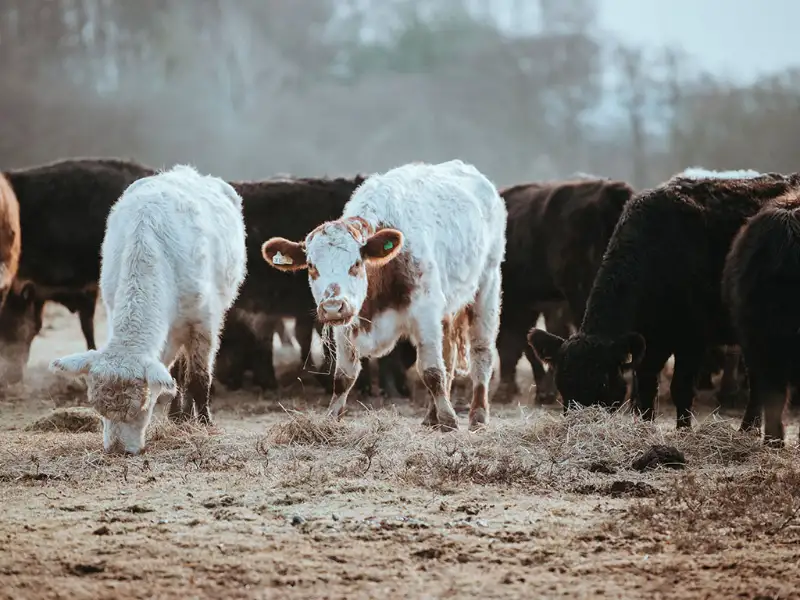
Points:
(740, 38)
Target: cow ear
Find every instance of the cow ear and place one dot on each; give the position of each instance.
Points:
(631, 348)
(74, 365)
(157, 377)
(284, 254)
(545, 344)
(382, 246)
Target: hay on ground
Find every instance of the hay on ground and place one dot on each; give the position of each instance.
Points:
(69, 420)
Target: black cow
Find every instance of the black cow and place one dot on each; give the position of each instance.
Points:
(63, 207)
(761, 284)
(658, 293)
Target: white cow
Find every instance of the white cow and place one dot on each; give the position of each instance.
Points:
(416, 253)
(172, 260)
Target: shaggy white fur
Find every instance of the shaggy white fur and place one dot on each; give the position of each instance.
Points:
(447, 222)
(172, 261)
(701, 173)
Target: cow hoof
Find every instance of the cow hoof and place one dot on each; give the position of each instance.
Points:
(205, 420)
(505, 393)
(773, 442)
(447, 421)
(430, 421)
(478, 419)
(547, 398)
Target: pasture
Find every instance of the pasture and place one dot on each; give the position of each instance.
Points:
(276, 502)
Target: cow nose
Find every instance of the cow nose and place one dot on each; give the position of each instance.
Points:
(332, 308)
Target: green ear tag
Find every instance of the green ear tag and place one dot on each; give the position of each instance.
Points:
(388, 246)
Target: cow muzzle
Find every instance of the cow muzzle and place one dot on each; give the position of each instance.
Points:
(334, 311)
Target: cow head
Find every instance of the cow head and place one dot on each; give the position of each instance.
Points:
(20, 322)
(589, 369)
(336, 255)
(124, 389)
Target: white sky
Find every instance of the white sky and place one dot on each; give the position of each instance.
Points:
(738, 38)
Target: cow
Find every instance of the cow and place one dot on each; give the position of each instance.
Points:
(63, 207)
(658, 293)
(415, 252)
(761, 285)
(10, 237)
(556, 235)
(291, 206)
(172, 260)
(20, 323)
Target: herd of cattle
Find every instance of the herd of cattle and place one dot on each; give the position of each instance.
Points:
(409, 266)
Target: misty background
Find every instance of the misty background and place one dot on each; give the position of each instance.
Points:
(525, 89)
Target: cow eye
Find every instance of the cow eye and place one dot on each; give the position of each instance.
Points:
(356, 268)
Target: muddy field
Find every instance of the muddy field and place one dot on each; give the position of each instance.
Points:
(278, 503)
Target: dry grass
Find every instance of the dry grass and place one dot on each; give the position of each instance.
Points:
(69, 420)
(544, 451)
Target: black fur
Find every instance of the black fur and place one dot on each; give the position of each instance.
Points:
(660, 278)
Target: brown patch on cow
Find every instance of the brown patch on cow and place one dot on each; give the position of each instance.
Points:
(356, 270)
(342, 384)
(389, 287)
(480, 398)
(434, 380)
(359, 228)
(10, 236)
(333, 290)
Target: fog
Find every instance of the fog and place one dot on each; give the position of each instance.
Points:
(524, 89)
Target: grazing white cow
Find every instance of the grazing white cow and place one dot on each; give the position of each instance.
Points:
(416, 253)
(172, 260)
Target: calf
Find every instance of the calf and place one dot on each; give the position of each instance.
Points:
(417, 249)
(10, 244)
(173, 258)
(659, 281)
(63, 207)
(761, 284)
(291, 207)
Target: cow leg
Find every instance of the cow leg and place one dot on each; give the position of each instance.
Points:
(647, 377)
(348, 367)
(201, 352)
(687, 364)
(449, 358)
(86, 307)
(709, 366)
(430, 364)
(179, 409)
(283, 333)
(263, 364)
(386, 375)
(511, 344)
(729, 384)
(364, 381)
(392, 369)
(483, 332)
(768, 390)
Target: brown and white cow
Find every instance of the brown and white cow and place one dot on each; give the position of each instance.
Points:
(416, 253)
(10, 238)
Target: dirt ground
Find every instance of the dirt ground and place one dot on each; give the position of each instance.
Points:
(281, 504)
